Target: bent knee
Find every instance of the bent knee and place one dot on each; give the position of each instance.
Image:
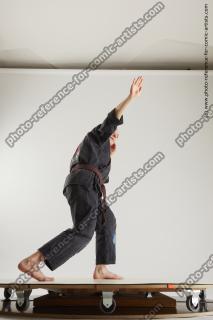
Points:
(85, 230)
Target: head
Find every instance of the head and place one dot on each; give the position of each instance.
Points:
(114, 136)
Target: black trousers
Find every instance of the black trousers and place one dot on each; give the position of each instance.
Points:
(85, 205)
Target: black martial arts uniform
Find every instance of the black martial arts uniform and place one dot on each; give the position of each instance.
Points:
(83, 191)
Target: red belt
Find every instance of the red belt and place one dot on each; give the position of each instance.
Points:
(101, 182)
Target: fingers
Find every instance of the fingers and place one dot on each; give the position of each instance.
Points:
(136, 86)
(137, 80)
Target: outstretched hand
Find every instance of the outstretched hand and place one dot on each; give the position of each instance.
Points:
(135, 90)
(136, 87)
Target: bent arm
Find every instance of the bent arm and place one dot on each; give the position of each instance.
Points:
(103, 131)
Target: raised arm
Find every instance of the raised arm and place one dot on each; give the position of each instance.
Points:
(135, 90)
(103, 131)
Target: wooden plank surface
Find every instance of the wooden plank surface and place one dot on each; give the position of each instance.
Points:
(99, 285)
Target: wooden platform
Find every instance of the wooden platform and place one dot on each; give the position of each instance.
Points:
(87, 297)
(85, 283)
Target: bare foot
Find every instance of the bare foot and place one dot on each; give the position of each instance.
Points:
(101, 272)
(31, 266)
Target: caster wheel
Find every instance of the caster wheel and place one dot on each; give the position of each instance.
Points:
(28, 292)
(23, 305)
(110, 309)
(8, 293)
(192, 303)
(23, 301)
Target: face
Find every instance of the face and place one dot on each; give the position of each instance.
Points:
(114, 137)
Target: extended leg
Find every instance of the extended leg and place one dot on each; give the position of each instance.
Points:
(84, 209)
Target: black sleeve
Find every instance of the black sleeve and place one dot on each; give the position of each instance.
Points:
(103, 131)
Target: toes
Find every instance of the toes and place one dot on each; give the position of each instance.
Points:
(116, 277)
(107, 275)
(41, 277)
(49, 278)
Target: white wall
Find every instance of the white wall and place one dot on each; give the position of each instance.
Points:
(67, 33)
(164, 222)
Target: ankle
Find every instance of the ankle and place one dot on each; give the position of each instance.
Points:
(40, 255)
(100, 267)
(36, 257)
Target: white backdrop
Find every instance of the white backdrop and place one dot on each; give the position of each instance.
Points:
(164, 222)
